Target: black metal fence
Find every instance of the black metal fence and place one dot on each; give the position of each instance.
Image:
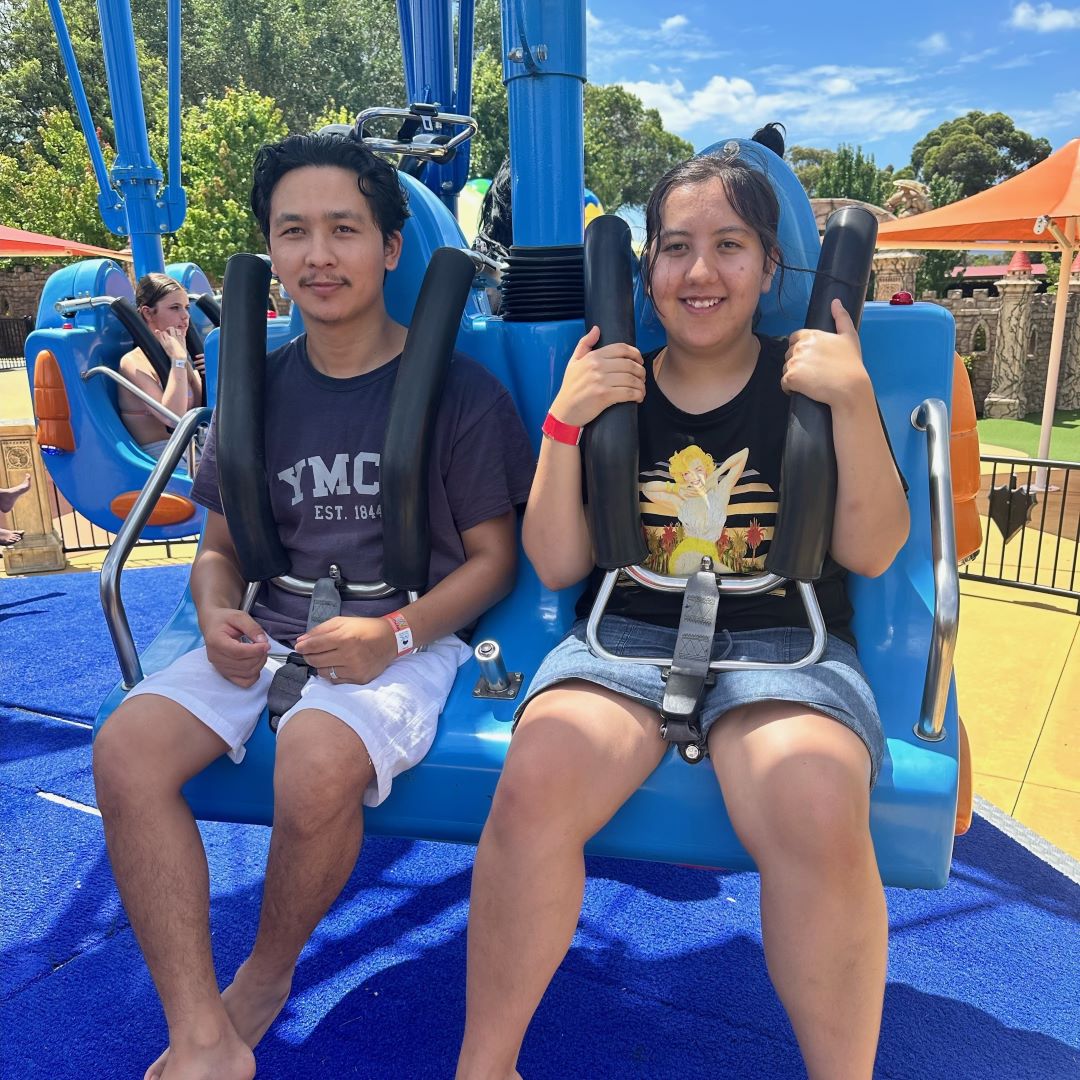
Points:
(78, 535)
(13, 334)
(1030, 509)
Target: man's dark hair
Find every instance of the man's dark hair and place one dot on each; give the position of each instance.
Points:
(376, 178)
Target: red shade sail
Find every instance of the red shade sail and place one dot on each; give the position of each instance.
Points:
(16, 243)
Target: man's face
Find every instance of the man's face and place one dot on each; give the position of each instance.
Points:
(326, 246)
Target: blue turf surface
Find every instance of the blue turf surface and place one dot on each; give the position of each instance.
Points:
(666, 977)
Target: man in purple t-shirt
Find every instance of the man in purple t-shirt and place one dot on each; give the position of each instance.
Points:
(332, 215)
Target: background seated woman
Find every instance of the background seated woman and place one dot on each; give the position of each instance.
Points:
(163, 303)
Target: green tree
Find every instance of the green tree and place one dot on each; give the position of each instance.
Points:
(976, 150)
(491, 142)
(851, 174)
(626, 147)
(807, 162)
(1052, 261)
(938, 265)
(220, 138)
(308, 56)
(32, 77)
(47, 184)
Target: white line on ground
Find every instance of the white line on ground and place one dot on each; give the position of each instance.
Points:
(1036, 844)
(71, 804)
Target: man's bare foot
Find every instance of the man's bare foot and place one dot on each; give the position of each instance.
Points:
(252, 1004)
(9, 495)
(9, 538)
(228, 1059)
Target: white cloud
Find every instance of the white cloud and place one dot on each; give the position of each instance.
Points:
(676, 22)
(1063, 111)
(934, 45)
(819, 102)
(1044, 18)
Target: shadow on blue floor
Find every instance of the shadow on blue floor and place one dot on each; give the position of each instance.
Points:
(666, 977)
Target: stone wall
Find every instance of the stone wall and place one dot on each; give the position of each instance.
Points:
(981, 312)
(21, 285)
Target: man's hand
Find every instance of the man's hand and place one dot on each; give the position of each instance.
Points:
(358, 649)
(199, 363)
(235, 645)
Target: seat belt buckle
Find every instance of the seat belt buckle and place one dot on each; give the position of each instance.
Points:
(689, 674)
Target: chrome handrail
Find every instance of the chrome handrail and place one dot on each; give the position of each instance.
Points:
(352, 590)
(438, 152)
(113, 566)
(749, 586)
(166, 414)
(933, 418)
(74, 304)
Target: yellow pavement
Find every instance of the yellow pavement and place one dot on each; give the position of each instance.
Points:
(1018, 684)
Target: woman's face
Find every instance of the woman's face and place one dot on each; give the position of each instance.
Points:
(709, 269)
(171, 310)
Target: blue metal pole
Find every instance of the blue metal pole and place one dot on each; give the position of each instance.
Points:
(174, 193)
(109, 204)
(544, 71)
(135, 174)
(427, 46)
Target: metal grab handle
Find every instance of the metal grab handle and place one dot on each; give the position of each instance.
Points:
(438, 152)
(113, 566)
(81, 303)
(167, 415)
(737, 585)
(933, 418)
(759, 583)
(354, 590)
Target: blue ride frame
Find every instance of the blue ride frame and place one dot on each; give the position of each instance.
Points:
(678, 813)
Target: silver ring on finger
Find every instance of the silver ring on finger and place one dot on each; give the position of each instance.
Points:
(333, 675)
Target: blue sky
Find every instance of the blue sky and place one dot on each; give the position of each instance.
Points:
(877, 74)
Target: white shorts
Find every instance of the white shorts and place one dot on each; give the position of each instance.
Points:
(395, 714)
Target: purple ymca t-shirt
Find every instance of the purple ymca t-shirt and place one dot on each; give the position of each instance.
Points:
(324, 440)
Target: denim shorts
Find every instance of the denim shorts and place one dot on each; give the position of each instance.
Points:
(836, 685)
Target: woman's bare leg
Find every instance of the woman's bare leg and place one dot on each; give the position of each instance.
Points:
(796, 784)
(578, 754)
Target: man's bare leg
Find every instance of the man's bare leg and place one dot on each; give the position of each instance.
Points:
(796, 784)
(579, 752)
(143, 756)
(320, 774)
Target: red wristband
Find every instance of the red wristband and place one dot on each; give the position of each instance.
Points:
(402, 632)
(556, 430)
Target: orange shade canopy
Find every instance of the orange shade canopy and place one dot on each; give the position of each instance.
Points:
(15, 243)
(1002, 217)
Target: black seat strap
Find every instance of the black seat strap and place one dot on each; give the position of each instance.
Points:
(689, 672)
(289, 679)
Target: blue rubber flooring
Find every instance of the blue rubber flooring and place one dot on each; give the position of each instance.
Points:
(666, 976)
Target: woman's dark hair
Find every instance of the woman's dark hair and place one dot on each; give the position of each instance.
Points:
(153, 288)
(376, 178)
(747, 188)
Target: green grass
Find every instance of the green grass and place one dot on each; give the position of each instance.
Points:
(1023, 434)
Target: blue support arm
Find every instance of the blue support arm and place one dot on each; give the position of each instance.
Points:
(109, 204)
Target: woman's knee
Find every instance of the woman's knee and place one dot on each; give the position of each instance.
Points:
(817, 813)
